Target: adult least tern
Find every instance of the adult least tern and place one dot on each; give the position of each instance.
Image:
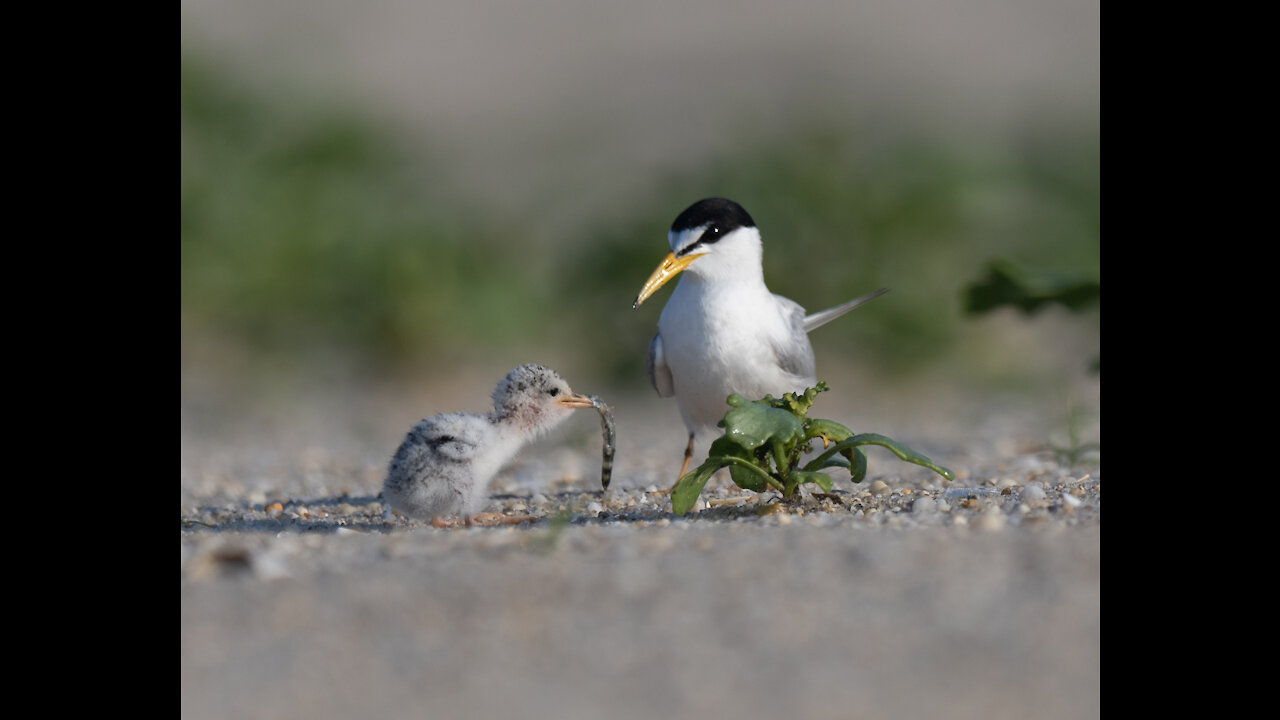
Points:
(722, 331)
(445, 463)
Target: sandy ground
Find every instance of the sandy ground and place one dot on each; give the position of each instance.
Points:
(902, 597)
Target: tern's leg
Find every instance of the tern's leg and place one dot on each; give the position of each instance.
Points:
(684, 467)
(688, 455)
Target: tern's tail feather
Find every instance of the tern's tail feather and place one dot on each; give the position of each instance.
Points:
(822, 317)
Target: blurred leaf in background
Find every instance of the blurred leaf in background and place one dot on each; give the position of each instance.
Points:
(1007, 283)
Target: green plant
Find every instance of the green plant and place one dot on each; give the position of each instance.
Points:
(765, 439)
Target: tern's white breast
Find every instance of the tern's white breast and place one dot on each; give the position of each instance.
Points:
(719, 339)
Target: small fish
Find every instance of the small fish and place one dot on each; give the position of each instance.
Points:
(610, 440)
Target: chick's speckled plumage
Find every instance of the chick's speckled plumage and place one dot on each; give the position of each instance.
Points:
(446, 462)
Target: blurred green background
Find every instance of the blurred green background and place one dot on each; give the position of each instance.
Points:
(393, 193)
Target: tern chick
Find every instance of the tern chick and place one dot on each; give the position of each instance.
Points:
(445, 463)
(722, 331)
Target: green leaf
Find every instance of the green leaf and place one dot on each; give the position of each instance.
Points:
(857, 465)
(723, 446)
(689, 486)
(747, 480)
(742, 477)
(822, 480)
(902, 451)
(829, 429)
(752, 425)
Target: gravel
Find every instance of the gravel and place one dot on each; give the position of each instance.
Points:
(903, 596)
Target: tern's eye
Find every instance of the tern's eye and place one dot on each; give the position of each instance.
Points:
(553, 392)
(709, 235)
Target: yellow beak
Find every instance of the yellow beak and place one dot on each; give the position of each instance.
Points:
(575, 401)
(670, 267)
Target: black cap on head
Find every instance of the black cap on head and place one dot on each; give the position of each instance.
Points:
(724, 216)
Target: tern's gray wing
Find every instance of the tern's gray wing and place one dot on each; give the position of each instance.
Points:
(659, 372)
(795, 354)
(823, 317)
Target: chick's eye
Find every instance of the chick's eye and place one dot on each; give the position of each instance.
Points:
(553, 392)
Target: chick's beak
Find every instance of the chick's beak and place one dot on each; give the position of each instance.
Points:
(669, 268)
(575, 401)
